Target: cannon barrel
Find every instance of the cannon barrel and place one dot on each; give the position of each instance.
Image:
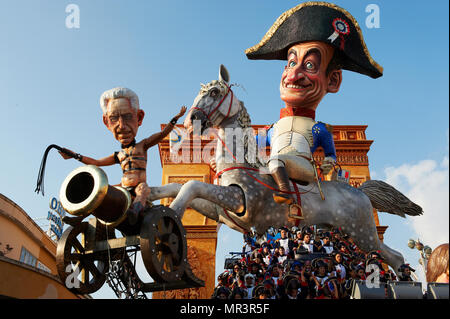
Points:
(86, 191)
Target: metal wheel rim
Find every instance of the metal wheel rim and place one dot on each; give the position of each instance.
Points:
(70, 258)
(163, 245)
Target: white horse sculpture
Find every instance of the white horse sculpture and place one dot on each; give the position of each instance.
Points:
(243, 199)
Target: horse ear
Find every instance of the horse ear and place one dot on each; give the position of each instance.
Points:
(223, 74)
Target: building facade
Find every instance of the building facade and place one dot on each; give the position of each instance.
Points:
(27, 257)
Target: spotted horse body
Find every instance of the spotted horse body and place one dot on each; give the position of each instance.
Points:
(243, 197)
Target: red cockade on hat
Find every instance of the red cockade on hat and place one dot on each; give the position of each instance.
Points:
(341, 28)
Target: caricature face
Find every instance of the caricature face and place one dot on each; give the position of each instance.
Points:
(304, 81)
(122, 120)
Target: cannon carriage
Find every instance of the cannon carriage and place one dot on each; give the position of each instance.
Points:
(89, 253)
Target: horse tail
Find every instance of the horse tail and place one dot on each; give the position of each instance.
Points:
(386, 198)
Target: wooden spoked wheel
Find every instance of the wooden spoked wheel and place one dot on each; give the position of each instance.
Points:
(80, 271)
(163, 244)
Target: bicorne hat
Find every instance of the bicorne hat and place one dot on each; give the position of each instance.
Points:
(318, 21)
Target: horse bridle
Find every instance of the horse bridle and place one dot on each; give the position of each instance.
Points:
(209, 115)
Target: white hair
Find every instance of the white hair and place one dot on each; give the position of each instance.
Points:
(119, 92)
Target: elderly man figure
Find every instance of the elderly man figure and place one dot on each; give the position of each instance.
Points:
(317, 39)
(122, 116)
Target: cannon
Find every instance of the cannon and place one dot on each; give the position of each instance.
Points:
(88, 251)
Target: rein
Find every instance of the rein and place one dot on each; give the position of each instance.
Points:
(296, 192)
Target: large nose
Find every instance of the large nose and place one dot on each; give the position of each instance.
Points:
(121, 122)
(294, 73)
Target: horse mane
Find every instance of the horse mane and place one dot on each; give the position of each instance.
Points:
(243, 119)
(245, 122)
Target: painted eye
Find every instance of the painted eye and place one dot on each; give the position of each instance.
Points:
(309, 65)
(127, 117)
(291, 64)
(214, 92)
(113, 118)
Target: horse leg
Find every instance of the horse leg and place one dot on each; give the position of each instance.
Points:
(228, 197)
(393, 257)
(165, 191)
(204, 207)
(367, 239)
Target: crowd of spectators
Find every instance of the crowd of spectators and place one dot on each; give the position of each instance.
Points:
(301, 264)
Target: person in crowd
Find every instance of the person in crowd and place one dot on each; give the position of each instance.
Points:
(284, 241)
(236, 270)
(307, 242)
(298, 238)
(292, 290)
(239, 281)
(321, 272)
(275, 273)
(254, 268)
(281, 256)
(238, 293)
(222, 293)
(437, 267)
(327, 245)
(249, 284)
(406, 270)
(222, 279)
(262, 294)
(317, 244)
(260, 262)
(259, 278)
(360, 273)
(248, 246)
(262, 272)
(341, 271)
(266, 253)
(296, 267)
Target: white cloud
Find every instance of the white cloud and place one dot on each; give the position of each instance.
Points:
(427, 184)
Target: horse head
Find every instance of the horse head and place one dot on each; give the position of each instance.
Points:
(214, 104)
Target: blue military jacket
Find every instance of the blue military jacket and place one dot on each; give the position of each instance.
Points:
(321, 137)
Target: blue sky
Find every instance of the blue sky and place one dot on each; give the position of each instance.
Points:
(52, 78)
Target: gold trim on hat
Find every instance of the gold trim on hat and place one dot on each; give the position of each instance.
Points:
(282, 18)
